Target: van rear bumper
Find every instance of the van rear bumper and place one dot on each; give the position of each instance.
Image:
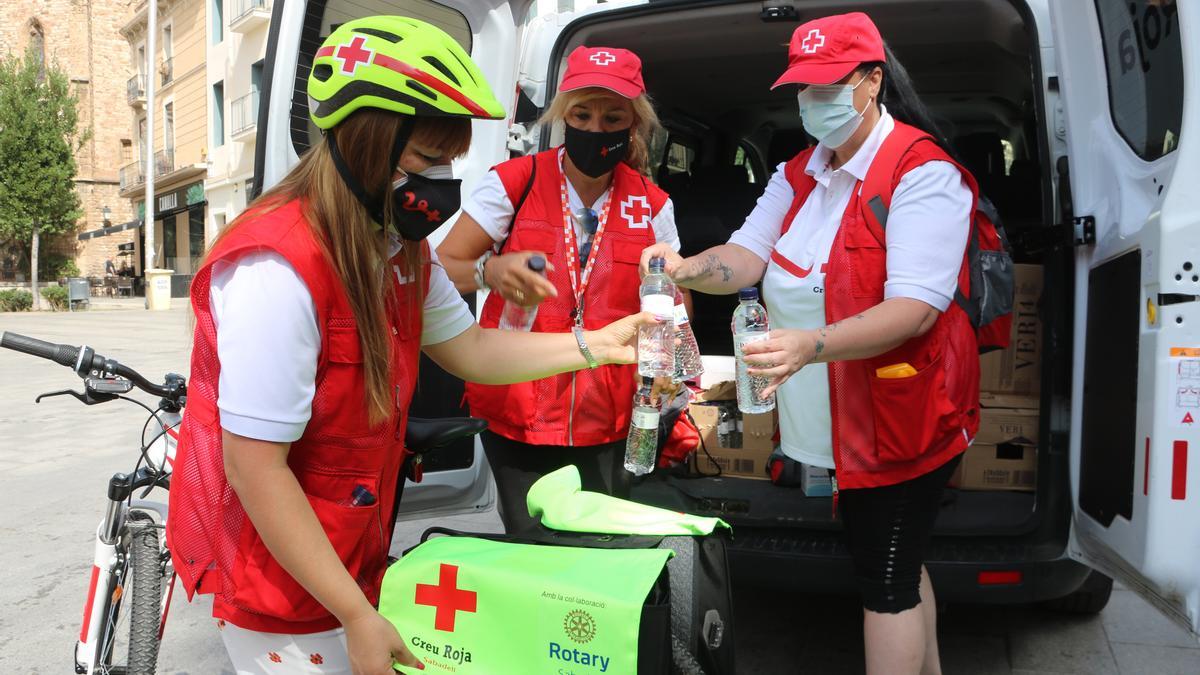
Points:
(818, 562)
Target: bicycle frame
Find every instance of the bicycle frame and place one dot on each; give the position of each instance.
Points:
(105, 589)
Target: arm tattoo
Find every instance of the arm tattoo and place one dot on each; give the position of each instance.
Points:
(824, 333)
(712, 263)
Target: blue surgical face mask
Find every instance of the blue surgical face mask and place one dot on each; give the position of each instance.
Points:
(828, 112)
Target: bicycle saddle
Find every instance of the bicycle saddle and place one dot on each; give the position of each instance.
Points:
(424, 435)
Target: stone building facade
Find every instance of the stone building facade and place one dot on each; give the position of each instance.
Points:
(83, 38)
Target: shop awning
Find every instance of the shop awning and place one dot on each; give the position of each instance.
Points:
(111, 229)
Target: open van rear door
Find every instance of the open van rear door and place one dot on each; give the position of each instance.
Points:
(456, 480)
(1125, 68)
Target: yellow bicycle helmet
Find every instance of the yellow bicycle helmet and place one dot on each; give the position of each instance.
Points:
(398, 64)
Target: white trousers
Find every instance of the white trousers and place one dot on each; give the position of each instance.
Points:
(256, 653)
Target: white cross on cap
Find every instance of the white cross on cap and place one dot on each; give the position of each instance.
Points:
(602, 58)
(814, 41)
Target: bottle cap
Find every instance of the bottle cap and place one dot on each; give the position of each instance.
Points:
(536, 263)
(657, 265)
(748, 294)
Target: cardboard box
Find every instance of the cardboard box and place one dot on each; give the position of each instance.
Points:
(815, 481)
(1004, 455)
(1012, 378)
(1002, 425)
(1007, 466)
(747, 459)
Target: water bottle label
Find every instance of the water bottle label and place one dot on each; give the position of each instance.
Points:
(644, 419)
(681, 316)
(662, 306)
(743, 340)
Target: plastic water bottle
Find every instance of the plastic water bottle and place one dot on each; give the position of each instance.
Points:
(656, 342)
(688, 365)
(519, 317)
(750, 325)
(642, 444)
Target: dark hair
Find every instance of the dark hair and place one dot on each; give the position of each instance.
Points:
(898, 94)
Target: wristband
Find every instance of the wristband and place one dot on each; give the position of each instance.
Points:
(480, 263)
(583, 348)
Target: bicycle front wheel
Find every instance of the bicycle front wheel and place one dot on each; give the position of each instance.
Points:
(138, 602)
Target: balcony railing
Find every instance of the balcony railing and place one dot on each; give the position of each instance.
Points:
(249, 14)
(167, 70)
(132, 175)
(135, 89)
(164, 162)
(243, 114)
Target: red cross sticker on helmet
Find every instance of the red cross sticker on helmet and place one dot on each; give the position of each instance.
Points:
(353, 54)
(826, 50)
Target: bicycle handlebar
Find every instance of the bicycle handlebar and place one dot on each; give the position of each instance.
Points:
(83, 360)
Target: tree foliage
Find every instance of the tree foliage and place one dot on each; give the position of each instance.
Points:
(38, 134)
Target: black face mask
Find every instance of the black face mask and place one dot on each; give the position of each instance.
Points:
(595, 153)
(421, 203)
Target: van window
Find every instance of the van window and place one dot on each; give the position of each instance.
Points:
(320, 19)
(679, 158)
(1145, 72)
(742, 158)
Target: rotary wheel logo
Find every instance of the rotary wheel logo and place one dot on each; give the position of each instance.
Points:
(579, 626)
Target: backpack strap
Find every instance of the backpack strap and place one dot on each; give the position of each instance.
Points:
(882, 178)
(802, 185)
(512, 173)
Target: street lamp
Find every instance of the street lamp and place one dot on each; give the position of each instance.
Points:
(106, 213)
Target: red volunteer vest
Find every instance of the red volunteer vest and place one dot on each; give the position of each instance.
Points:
(588, 407)
(214, 546)
(887, 431)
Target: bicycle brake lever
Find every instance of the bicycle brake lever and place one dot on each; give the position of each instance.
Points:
(85, 397)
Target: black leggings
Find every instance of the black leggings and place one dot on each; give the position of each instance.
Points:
(517, 466)
(887, 531)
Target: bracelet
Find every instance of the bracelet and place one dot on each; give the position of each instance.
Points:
(583, 348)
(480, 263)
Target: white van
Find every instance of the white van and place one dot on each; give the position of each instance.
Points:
(1070, 112)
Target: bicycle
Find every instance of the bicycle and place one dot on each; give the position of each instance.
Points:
(132, 579)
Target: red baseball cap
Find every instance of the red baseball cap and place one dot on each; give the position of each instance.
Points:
(618, 70)
(828, 49)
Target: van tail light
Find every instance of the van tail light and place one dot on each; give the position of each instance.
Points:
(1000, 578)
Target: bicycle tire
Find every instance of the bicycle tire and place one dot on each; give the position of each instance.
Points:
(145, 617)
(683, 662)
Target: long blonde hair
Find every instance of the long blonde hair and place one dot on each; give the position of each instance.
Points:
(645, 121)
(352, 242)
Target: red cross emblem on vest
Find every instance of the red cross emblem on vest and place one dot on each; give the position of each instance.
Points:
(354, 54)
(447, 597)
(814, 41)
(636, 212)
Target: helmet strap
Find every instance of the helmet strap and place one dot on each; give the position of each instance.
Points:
(373, 205)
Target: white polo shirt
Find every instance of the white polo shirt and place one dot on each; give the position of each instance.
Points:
(268, 341)
(926, 236)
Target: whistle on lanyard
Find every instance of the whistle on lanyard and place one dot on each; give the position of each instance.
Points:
(895, 371)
